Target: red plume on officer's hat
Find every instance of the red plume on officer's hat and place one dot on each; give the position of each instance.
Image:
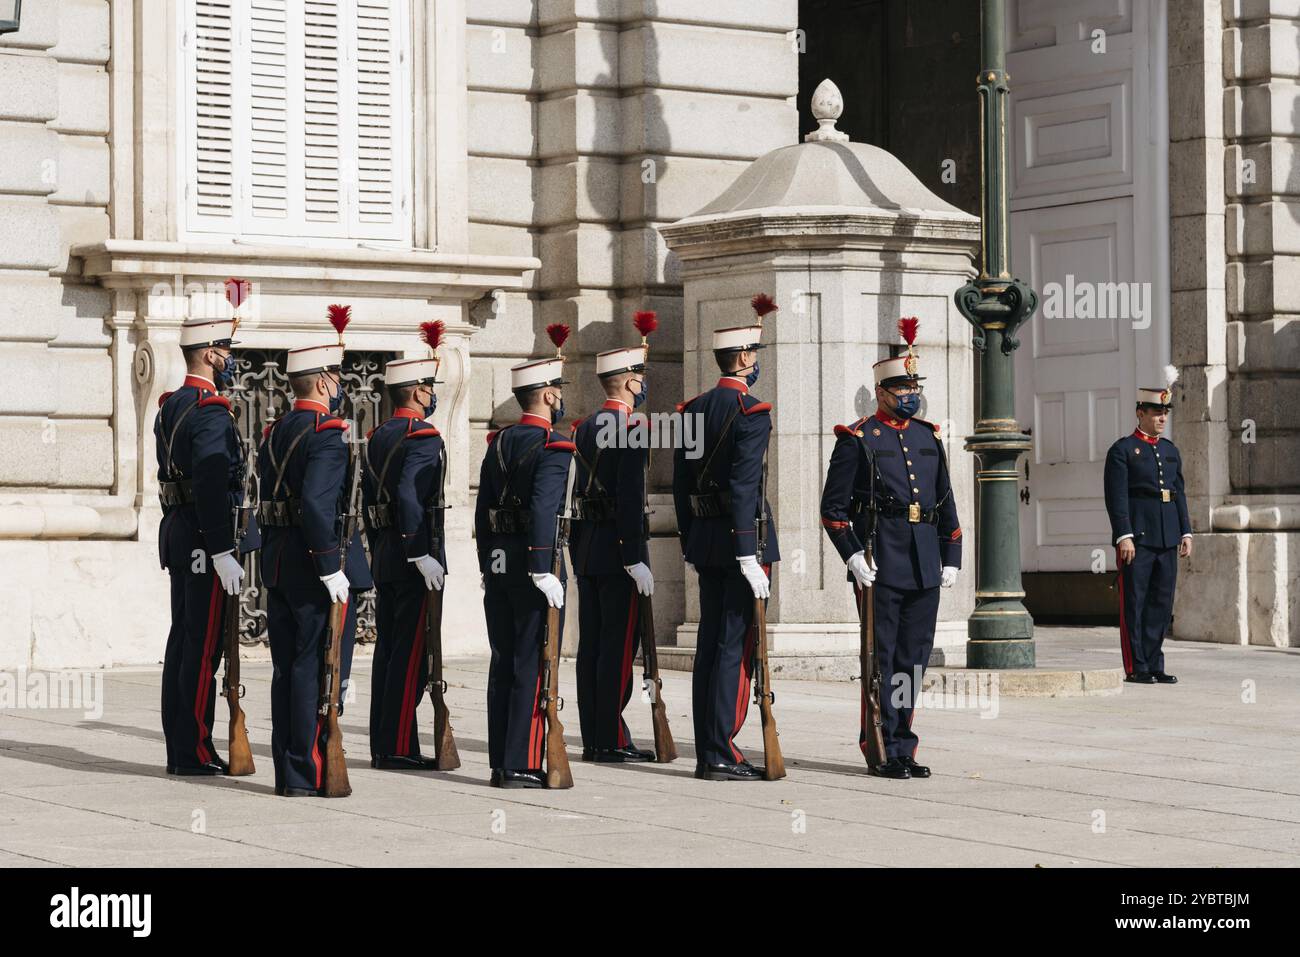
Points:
(431, 333)
(763, 304)
(559, 333)
(237, 292)
(646, 322)
(908, 326)
(339, 317)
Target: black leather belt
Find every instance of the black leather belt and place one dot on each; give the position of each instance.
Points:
(711, 504)
(1164, 494)
(180, 492)
(913, 512)
(280, 514)
(594, 508)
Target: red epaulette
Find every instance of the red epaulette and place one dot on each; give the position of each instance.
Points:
(422, 433)
(756, 407)
(215, 400)
(322, 426)
(681, 406)
(164, 397)
(929, 425)
(574, 427)
(956, 535)
(854, 429)
(559, 444)
(495, 432)
(266, 432)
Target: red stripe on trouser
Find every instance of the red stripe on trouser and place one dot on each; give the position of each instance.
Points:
(535, 735)
(205, 670)
(406, 717)
(742, 695)
(1125, 642)
(315, 752)
(859, 595)
(627, 667)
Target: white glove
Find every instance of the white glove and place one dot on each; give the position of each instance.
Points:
(228, 569)
(863, 571)
(337, 586)
(550, 586)
(949, 576)
(749, 567)
(645, 581)
(433, 572)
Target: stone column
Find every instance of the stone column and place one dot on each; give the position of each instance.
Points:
(848, 241)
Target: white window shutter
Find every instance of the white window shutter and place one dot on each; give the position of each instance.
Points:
(382, 114)
(299, 118)
(210, 201)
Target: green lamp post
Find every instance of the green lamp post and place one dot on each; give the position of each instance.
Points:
(10, 14)
(1000, 631)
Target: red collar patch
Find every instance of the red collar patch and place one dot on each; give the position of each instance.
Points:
(1148, 439)
(613, 405)
(406, 414)
(889, 420)
(310, 405)
(534, 420)
(731, 382)
(200, 383)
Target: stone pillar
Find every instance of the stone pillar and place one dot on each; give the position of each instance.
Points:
(1234, 136)
(847, 240)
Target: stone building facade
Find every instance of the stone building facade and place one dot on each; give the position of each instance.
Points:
(527, 154)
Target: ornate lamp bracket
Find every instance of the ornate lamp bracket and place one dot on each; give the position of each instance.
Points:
(1004, 304)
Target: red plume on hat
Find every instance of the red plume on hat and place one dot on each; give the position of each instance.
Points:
(339, 317)
(431, 333)
(763, 304)
(237, 292)
(646, 322)
(908, 327)
(559, 334)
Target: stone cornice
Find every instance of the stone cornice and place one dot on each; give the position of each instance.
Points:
(139, 265)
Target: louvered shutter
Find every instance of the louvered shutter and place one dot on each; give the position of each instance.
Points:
(301, 119)
(209, 87)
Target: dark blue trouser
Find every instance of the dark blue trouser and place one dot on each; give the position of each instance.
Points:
(724, 650)
(516, 622)
(1146, 606)
(298, 621)
(609, 625)
(189, 683)
(400, 671)
(904, 638)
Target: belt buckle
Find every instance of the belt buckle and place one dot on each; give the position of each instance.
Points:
(914, 512)
(1165, 496)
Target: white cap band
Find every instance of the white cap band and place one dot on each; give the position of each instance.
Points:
(537, 372)
(314, 359)
(620, 360)
(204, 332)
(409, 371)
(737, 339)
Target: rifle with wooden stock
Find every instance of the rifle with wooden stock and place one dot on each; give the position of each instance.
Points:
(241, 753)
(651, 683)
(558, 774)
(874, 746)
(444, 742)
(336, 769)
(764, 697)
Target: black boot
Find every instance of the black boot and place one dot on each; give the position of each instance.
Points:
(916, 770)
(1141, 678)
(404, 762)
(1164, 679)
(893, 768)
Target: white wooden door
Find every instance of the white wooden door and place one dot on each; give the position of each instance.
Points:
(1089, 215)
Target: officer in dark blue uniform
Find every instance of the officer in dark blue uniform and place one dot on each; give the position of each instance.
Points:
(404, 474)
(521, 492)
(1151, 529)
(717, 499)
(201, 463)
(888, 472)
(609, 552)
(304, 475)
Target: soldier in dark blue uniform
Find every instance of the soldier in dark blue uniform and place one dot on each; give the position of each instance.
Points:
(888, 472)
(1151, 529)
(521, 493)
(404, 481)
(201, 463)
(303, 469)
(609, 552)
(717, 499)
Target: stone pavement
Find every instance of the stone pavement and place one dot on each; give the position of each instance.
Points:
(1179, 775)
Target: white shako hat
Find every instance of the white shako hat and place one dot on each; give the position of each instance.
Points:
(1163, 396)
(196, 333)
(905, 366)
(614, 361)
(322, 357)
(745, 338)
(412, 371)
(542, 372)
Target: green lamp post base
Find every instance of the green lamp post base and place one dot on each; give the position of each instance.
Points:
(1013, 653)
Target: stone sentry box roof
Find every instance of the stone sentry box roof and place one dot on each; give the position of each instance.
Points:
(826, 191)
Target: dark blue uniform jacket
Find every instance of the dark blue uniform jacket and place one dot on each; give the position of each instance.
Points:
(408, 452)
(1137, 468)
(910, 468)
(734, 468)
(207, 452)
(604, 547)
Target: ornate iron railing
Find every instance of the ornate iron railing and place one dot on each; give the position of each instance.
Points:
(261, 394)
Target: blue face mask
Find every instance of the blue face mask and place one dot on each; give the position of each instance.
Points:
(557, 414)
(908, 406)
(752, 377)
(336, 401)
(224, 375)
(432, 406)
(638, 400)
